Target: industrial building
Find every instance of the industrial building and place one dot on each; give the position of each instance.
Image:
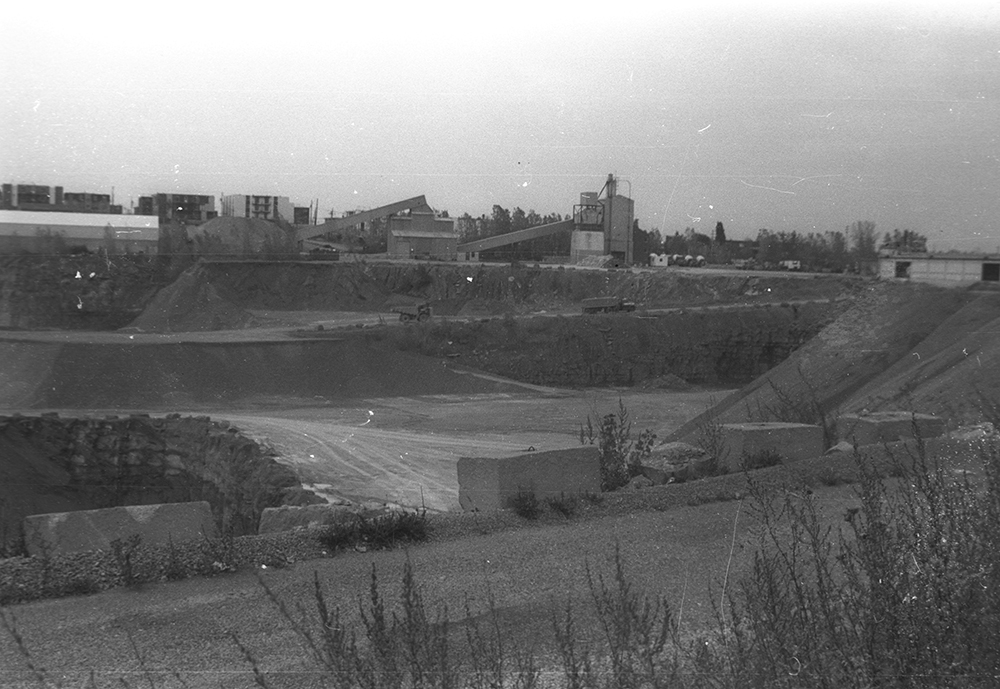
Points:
(184, 209)
(601, 226)
(37, 197)
(945, 270)
(422, 234)
(266, 207)
(47, 231)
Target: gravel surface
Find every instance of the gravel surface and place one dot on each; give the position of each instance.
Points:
(669, 547)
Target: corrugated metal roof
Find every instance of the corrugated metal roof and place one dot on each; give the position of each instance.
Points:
(79, 225)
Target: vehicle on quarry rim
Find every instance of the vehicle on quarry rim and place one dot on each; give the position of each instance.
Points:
(415, 312)
(607, 305)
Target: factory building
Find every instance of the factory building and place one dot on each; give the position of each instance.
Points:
(422, 234)
(603, 225)
(183, 209)
(57, 231)
(945, 270)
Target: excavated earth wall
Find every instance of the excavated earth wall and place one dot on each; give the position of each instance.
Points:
(716, 347)
(82, 292)
(56, 464)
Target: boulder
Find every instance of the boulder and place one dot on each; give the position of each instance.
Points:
(842, 446)
(637, 483)
(888, 426)
(489, 483)
(791, 441)
(290, 517)
(676, 462)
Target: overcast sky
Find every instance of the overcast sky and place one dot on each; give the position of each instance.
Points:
(777, 116)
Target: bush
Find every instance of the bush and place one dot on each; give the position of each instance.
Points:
(380, 532)
(566, 505)
(620, 456)
(761, 460)
(907, 595)
(526, 505)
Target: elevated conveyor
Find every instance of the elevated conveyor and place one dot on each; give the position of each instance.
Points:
(517, 236)
(417, 203)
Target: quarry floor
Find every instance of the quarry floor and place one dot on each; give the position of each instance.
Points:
(405, 450)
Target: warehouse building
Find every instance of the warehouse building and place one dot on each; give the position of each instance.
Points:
(57, 232)
(945, 270)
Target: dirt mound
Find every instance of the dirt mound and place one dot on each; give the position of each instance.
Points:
(901, 347)
(191, 303)
(230, 236)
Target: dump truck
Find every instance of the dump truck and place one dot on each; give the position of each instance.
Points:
(413, 312)
(607, 305)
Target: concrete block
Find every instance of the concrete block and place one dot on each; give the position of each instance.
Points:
(793, 441)
(83, 530)
(887, 427)
(487, 483)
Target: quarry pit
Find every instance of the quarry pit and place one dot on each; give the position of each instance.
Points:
(307, 362)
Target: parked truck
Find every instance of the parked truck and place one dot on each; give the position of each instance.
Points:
(413, 312)
(607, 305)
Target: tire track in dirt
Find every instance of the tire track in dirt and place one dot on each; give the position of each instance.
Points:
(361, 462)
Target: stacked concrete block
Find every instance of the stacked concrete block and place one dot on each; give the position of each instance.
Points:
(888, 427)
(488, 483)
(792, 441)
(83, 530)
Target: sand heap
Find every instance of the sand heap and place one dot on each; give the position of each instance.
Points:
(227, 237)
(191, 303)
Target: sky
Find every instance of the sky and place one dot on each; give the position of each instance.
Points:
(777, 115)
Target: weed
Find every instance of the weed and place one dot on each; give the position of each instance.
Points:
(175, 568)
(828, 476)
(525, 504)
(566, 505)
(380, 532)
(218, 555)
(636, 629)
(712, 441)
(123, 552)
(760, 460)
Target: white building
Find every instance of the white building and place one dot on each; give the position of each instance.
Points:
(36, 231)
(945, 270)
(266, 207)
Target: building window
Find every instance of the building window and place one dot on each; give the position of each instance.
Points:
(991, 272)
(903, 269)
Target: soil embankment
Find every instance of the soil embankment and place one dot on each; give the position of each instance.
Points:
(902, 346)
(54, 464)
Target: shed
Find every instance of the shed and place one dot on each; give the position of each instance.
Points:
(945, 270)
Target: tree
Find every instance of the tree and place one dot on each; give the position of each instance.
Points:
(501, 221)
(862, 236)
(907, 241)
(720, 233)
